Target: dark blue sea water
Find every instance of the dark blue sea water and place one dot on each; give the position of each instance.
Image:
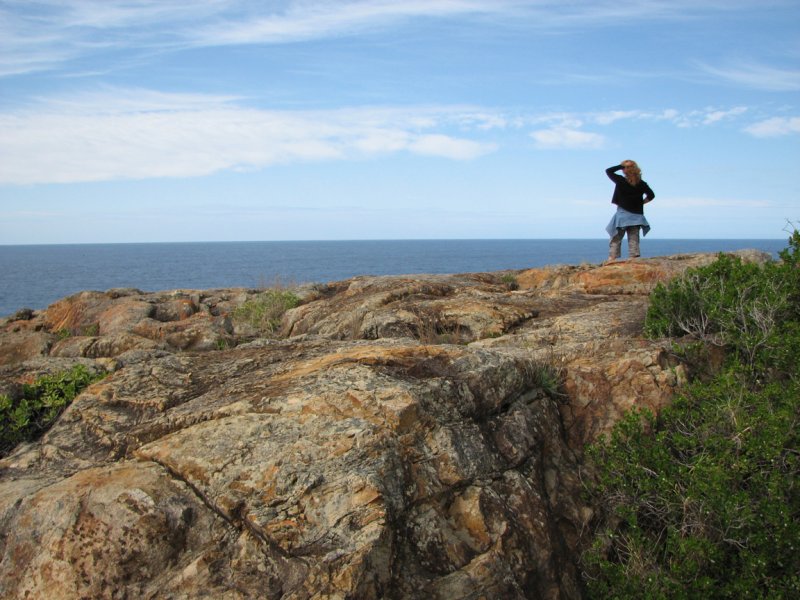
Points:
(35, 276)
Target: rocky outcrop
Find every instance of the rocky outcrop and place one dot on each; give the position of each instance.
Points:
(406, 437)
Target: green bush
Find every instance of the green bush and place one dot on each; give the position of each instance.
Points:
(750, 310)
(702, 500)
(263, 313)
(28, 417)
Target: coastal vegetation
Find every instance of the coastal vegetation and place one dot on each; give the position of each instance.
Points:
(263, 313)
(510, 281)
(28, 416)
(702, 501)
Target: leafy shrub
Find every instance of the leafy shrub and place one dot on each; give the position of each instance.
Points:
(27, 418)
(702, 501)
(263, 313)
(751, 310)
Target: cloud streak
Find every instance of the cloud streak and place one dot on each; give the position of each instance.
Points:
(775, 127)
(42, 35)
(566, 131)
(302, 21)
(118, 134)
(757, 76)
(314, 20)
(562, 138)
(141, 135)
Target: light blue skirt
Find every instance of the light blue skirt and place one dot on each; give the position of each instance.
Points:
(622, 219)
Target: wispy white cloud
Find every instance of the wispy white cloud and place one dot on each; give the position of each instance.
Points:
(687, 118)
(109, 100)
(48, 33)
(714, 116)
(44, 34)
(130, 134)
(757, 76)
(313, 20)
(566, 129)
(567, 138)
(36, 36)
(299, 21)
(23, 49)
(774, 127)
(449, 147)
(139, 133)
(609, 117)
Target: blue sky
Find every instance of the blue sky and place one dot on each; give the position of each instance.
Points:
(166, 120)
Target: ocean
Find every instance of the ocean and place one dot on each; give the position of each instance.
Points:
(35, 276)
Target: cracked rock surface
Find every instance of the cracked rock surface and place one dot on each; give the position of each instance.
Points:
(400, 440)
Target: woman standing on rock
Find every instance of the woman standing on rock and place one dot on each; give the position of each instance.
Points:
(630, 196)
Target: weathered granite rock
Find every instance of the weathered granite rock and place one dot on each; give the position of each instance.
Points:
(105, 324)
(351, 469)
(433, 308)
(365, 456)
(590, 327)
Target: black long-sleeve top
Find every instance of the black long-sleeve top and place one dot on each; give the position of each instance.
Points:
(630, 197)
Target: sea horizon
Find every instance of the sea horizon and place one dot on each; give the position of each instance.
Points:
(359, 240)
(36, 275)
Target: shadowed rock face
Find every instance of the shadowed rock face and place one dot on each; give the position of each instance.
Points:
(400, 441)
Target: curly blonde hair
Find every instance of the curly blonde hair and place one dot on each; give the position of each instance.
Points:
(632, 171)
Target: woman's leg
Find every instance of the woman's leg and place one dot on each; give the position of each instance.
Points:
(633, 241)
(614, 246)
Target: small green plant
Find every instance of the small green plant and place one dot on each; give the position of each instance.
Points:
(63, 333)
(223, 344)
(264, 312)
(26, 418)
(510, 281)
(92, 330)
(546, 377)
(434, 326)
